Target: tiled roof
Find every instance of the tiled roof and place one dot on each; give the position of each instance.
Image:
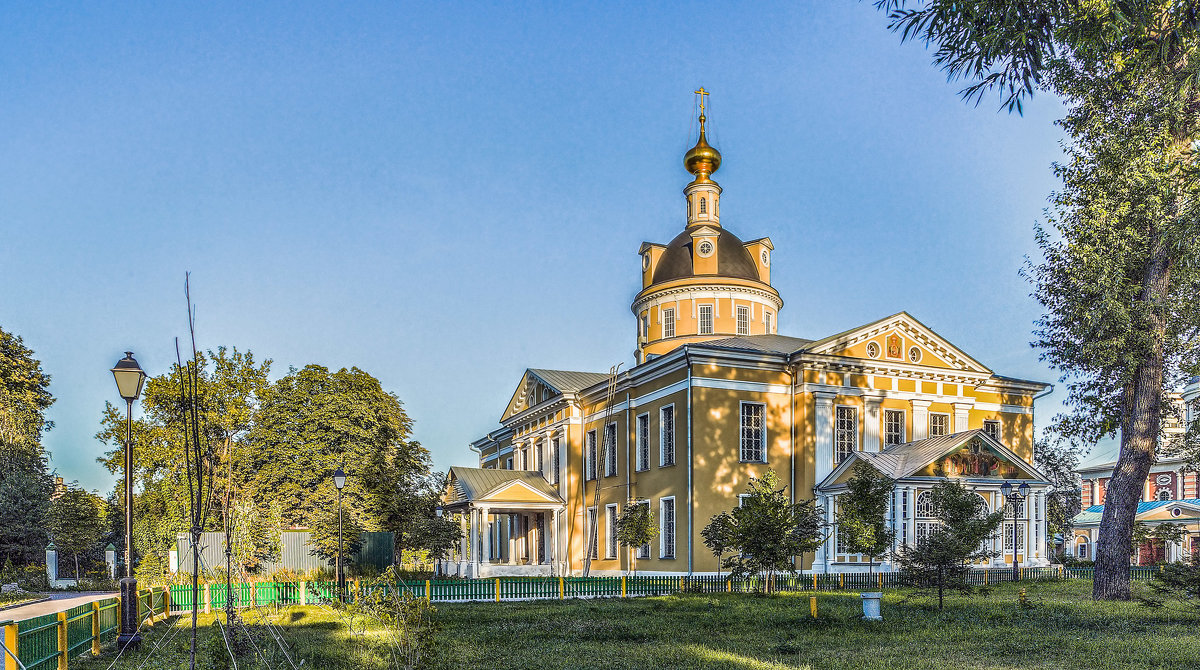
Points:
(779, 344)
(473, 483)
(568, 381)
(901, 460)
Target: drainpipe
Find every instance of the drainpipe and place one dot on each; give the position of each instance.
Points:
(1033, 406)
(791, 370)
(687, 357)
(629, 553)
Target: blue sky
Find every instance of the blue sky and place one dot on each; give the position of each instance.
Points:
(445, 194)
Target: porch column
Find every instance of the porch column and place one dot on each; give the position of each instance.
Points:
(535, 540)
(824, 434)
(911, 534)
(512, 539)
(485, 539)
(920, 419)
(554, 543)
(895, 519)
(962, 416)
(464, 527)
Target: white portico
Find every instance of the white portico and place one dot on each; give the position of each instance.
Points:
(973, 457)
(511, 523)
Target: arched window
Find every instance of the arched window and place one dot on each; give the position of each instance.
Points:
(925, 505)
(703, 206)
(981, 505)
(1165, 494)
(1081, 547)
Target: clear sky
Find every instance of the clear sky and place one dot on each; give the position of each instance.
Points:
(445, 194)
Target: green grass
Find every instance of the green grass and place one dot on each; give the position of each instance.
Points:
(1062, 629)
(13, 599)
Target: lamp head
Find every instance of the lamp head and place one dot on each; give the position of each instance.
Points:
(339, 478)
(1006, 489)
(1024, 489)
(129, 377)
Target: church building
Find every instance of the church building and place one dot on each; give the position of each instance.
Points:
(716, 396)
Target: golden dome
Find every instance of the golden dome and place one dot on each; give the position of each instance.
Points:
(702, 160)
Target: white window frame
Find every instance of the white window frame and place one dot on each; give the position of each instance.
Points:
(742, 318)
(742, 432)
(742, 498)
(999, 428)
(837, 455)
(903, 426)
(768, 317)
(944, 416)
(666, 442)
(712, 324)
(555, 460)
(642, 552)
(611, 548)
(642, 441)
(590, 470)
(508, 463)
(668, 322)
(610, 450)
(539, 457)
(664, 525)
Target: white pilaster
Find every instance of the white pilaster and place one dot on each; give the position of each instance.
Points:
(823, 401)
(920, 419)
(962, 416)
(871, 422)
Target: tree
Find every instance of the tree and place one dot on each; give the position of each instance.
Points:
(1158, 538)
(635, 525)
(1064, 499)
(769, 530)
(940, 559)
(862, 513)
(76, 522)
(25, 483)
(1119, 278)
(719, 536)
(1179, 582)
(311, 421)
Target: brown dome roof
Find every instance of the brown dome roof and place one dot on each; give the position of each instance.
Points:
(732, 259)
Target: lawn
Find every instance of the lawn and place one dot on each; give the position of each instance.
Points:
(1060, 628)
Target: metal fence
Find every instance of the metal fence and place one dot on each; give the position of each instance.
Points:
(49, 641)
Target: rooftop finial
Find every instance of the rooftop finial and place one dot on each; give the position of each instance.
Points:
(702, 160)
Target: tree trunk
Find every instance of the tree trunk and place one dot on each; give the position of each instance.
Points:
(77, 569)
(1141, 407)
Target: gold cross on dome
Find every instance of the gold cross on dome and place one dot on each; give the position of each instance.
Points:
(703, 96)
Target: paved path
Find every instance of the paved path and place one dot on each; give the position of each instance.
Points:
(57, 603)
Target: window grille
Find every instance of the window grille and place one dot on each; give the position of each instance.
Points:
(752, 433)
(668, 322)
(706, 319)
(939, 424)
(703, 206)
(591, 454)
(556, 458)
(610, 450)
(845, 433)
(595, 533)
(611, 513)
(666, 422)
(925, 505)
(893, 426)
(992, 428)
(667, 522)
(767, 321)
(743, 320)
(643, 442)
(644, 550)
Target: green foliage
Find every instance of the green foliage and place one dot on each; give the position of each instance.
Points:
(862, 513)
(257, 535)
(25, 484)
(1057, 460)
(941, 559)
(769, 530)
(1159, 536)
(719, 536)
(635, 525)
(1177, 586)
(408, 623)
(75, 521)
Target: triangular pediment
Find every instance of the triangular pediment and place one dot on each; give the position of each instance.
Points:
(898, 339)
(1176, 511)
(533, 390)
(516, 491)
(972, 454)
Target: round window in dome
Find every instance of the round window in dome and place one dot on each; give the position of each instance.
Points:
(705, 248)
(766, 258)
(873, 349)
(645, 261)
(914, 355)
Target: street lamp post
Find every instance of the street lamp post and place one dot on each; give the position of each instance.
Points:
(1022, 493)
(129, 377)
(339, 480)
